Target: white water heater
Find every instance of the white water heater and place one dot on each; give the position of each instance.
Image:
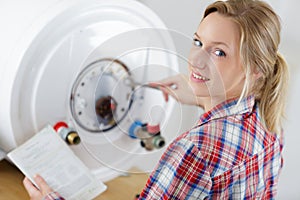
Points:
(85, 63)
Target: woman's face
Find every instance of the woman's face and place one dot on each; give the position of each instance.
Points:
(215, 66)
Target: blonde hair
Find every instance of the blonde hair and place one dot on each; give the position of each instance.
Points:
(259, 40)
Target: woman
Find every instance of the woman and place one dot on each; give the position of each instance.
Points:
(238, 77)
(234, 152)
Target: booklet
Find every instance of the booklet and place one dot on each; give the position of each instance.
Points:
(48, 155)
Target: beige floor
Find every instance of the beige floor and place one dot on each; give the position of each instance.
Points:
(124, 187)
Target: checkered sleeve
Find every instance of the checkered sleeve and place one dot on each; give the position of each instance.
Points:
(180, 174)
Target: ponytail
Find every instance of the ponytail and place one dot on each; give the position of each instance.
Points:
(272, 96)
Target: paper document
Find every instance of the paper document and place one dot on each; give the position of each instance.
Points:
(48, 155)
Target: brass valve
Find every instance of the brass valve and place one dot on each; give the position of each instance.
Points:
(148, 134)
(69, 135)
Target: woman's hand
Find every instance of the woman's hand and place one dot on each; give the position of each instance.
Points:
(179, 88)
(35, 193)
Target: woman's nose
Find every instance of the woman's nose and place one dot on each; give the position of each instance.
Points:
(199, 58)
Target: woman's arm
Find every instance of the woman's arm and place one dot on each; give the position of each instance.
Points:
(181, 174)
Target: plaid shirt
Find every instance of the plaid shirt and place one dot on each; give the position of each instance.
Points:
(228, 155)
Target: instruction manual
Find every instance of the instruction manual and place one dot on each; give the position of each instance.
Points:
(48, 155)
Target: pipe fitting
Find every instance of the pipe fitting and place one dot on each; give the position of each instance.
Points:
(69, 135)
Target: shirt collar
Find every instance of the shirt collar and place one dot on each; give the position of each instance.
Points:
(228, 108)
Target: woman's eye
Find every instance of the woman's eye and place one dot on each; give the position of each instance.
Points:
(220, 53)
(197, 43)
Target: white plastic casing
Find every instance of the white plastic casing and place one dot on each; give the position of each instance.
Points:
(44, 46)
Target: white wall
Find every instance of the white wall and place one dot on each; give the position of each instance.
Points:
(289, 182)
(184, 16)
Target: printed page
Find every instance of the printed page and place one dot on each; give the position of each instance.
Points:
(48, 155)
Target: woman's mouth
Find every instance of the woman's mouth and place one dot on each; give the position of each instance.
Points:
(198, 78)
